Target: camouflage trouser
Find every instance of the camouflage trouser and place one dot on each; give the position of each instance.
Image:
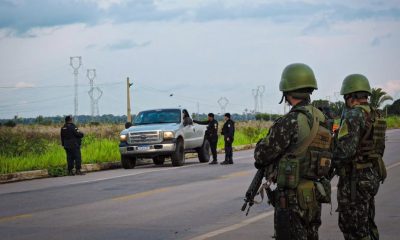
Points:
(356, 219)
(302, 224)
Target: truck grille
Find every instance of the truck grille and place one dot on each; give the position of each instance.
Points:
(144, 137)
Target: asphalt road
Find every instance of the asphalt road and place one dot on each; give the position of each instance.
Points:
(197, 201)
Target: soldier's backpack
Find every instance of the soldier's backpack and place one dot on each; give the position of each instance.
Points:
(311, 160)
(372, 145)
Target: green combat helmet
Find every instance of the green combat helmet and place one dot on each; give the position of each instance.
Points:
(297, 76)
(355, 83)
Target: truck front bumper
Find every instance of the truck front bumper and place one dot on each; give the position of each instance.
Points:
(148, 150)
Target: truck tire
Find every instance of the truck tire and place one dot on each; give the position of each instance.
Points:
(204, 152)
(159, 160)
(128, 162)
(178, 157)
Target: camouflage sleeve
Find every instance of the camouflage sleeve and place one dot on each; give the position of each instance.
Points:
(280, 136)
(349, 135)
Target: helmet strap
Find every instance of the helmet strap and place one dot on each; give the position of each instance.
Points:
(283, 98)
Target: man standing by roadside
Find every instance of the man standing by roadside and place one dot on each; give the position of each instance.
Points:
(211, 134)
(228, 130)
(71, 139)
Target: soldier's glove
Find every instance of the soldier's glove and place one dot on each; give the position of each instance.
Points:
(259, 165)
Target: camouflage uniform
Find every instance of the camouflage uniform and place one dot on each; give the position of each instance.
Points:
(282, 136)
(356, 217)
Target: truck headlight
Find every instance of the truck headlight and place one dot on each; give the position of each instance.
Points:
(123, 138)
(168, 135)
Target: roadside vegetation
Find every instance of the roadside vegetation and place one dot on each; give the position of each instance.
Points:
(393, 122)
(34, 147)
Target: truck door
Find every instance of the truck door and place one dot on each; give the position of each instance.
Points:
(188, 133)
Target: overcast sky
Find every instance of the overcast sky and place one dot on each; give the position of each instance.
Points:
(196, 50)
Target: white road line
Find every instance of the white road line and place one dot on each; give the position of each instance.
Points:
(393, 165)
(253, 219)
(150, 171)
(134, 174)
(234, 227)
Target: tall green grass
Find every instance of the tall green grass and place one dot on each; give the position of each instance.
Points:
(393, 122)
(34, 148)
(101, 150)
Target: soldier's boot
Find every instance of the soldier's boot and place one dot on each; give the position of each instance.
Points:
(78, 172)
(70, 173)
(214, 162)
(230, 161)
(226, 162)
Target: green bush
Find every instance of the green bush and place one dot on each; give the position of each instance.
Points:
(10, 123)
(393, 122)
(20, 144)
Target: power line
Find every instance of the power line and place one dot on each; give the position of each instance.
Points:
(191, 99)
(59, 86)
(37, 101)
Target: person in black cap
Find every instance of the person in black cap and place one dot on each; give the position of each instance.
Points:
(71, 139)
(211, 134)
(228, 130)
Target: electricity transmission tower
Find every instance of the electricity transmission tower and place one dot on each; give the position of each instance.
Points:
(76, 63)
(255, 93)
(261, 90)
(223, 102)
(95, 93)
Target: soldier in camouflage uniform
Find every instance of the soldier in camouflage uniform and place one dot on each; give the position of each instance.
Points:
(356, 155)
(286, 141)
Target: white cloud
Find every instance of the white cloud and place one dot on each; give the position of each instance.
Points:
(24, 85)
(106, 4)
(392, 87)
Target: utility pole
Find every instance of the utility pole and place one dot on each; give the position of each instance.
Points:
(128, 100)
(76, 63)
(198, 109)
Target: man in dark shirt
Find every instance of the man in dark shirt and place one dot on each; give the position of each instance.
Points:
(211, 134)
(228, 130)
(71, 139)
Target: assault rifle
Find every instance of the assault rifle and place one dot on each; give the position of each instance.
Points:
(252, 191)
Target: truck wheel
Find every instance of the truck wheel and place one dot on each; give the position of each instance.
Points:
(158, 160)
(204, 152)
(178, 157)
(128, 162)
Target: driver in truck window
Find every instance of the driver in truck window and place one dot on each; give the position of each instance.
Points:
(186, 118)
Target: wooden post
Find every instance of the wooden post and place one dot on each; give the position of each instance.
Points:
(128, 101)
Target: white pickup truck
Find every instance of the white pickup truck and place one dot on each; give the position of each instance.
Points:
(160, 134)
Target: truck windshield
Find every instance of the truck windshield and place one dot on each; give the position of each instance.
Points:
(158, 116)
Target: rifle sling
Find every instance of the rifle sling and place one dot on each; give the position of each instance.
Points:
(306, 142)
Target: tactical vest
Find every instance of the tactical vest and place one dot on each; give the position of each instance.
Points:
(372, 143)
(310, 158)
